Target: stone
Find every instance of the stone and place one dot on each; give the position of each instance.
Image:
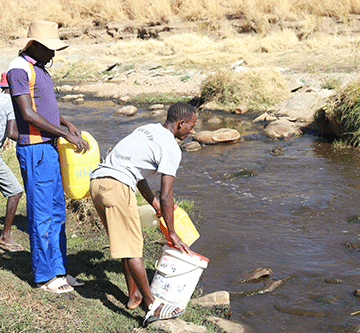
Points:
(282, 129)
(204, 137)
(264, 117)
(302, 106)
(212, 105)
(295, 84)
(108, 68)
(64, 88)
(158, 113)
(227, 325)
(214, 120)
(79, 101)
(225, 135)
(177, 326)
(241, 109)
(217, 298)
(156, 107)
(191, 146)
(68, 98)
(128, 110)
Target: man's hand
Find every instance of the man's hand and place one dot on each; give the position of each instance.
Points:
(79, 142)
(73, 129)
(177, 242)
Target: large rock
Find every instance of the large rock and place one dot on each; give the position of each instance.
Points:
(216, 298)
(204, 137)
(68, 98)
(177, 326)
(302, 106)
(228, 326)
(265, 117)
(128, 110)
(283, 129)
(191, 146)
(225, 135)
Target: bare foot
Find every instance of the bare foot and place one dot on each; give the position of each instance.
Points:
(134, 301)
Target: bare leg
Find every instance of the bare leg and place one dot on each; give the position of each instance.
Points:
(11, 206)
(135, 296)
(137, 271)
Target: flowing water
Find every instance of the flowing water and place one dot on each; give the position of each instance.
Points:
(292, 217)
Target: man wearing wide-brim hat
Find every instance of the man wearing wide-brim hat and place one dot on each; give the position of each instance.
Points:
(39, 125)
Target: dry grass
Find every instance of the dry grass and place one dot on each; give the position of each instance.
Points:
(257, 88)
(210, 14)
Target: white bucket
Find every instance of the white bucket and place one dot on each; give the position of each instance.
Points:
(177, 275)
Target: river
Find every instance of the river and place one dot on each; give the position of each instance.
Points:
(292, 217)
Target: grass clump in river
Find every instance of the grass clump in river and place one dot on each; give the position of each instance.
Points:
(165, 98)
(256, 88)
(340, 117)
(99, 306)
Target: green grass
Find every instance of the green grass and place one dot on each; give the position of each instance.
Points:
(99, 306)
(341, 115)
(166, 98)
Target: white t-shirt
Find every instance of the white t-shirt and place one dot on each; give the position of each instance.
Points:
(6, 113)
(149, 149)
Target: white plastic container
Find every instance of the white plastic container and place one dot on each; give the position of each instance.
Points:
(148, 216)
(177, 275)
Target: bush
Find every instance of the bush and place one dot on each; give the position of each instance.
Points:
(256, 88)
(341, 115)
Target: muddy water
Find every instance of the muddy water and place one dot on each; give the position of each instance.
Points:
(291, 217)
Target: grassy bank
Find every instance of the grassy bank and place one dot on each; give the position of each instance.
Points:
(99, 306)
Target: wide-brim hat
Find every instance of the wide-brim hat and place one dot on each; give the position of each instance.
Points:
(3, 82)
(44, 32)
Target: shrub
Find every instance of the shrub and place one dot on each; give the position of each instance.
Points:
(341, 115)
(256, 88)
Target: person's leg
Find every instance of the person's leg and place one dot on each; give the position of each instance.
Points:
(12, 190)
(37, 171)
(57, 235)
(138, 273)
(11, 206)
(135, 296)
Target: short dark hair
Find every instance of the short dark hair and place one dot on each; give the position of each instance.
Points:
(180, 111)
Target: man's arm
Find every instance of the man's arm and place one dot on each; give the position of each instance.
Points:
(12, 131)
(72, 128)
(35, 119)
(149, 196)
(167, 210)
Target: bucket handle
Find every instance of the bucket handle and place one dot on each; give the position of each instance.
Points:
(172, 274)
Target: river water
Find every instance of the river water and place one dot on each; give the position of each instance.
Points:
(292, 217)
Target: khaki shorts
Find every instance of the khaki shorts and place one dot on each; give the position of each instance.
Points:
(116, 205)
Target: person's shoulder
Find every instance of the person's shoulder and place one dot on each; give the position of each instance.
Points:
(19, 63)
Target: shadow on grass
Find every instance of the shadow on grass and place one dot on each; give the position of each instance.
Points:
(89, 263)
(99, 286)
(20, 222)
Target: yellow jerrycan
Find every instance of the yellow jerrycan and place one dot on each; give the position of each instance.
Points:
(77, 167)
(183, 227)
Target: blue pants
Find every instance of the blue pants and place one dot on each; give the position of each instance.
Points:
(40, 170)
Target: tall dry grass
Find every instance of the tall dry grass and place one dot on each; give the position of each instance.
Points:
(209, 13)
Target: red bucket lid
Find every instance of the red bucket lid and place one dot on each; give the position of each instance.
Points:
(191, 254)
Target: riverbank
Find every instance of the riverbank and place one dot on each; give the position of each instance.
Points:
(98, 306)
